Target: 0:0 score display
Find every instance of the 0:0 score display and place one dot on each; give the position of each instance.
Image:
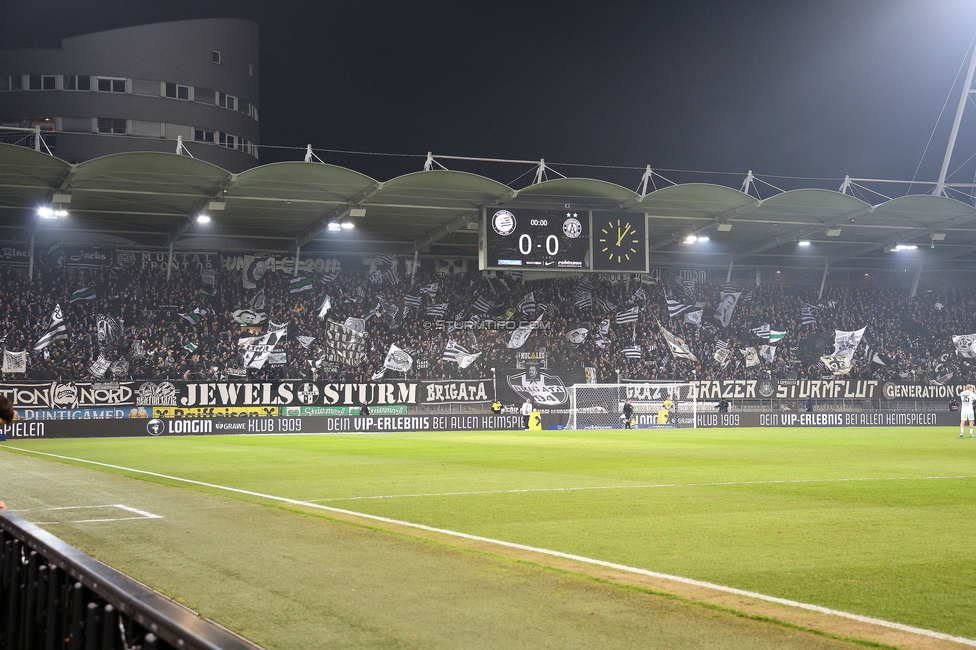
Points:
(537, 239)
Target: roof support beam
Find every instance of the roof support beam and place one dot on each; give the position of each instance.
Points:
(895, 239)
(699, 226)
(794, 235)
(441, 232)
(340, 212)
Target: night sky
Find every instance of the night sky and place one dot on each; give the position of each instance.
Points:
(818, 89)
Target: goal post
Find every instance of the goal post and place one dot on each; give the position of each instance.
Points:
(600, 406)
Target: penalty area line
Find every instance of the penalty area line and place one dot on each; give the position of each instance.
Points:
(534, 549)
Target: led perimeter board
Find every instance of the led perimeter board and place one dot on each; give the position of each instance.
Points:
(516, 239)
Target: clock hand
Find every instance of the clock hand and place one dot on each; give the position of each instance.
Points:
(620, 235)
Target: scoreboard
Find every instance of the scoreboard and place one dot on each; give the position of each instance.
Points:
(562, 240)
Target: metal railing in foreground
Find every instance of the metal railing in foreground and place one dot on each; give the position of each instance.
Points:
(54, 597)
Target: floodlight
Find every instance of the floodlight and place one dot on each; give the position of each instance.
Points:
(724, 227)
(937, 236)
(203, 218)
(348, 225)
(833, 232)
(691, 239)
(803, 242)
(217, 205)
(47, 212)
(359, 213)
(334, 227)
(703, 238)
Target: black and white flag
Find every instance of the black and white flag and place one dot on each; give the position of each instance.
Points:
(679, 349)
(675, 307)
(343, 345)
(99, 367)
(846, 342)
(808, 313)
(194, 316)
(762, 331)
(430, 289)
(305, 341)
(325, 306)
(258, 301)
(730, 287)
(965, 345)
(452, 350)
(482, 304)
(694, 317)
(632, 352)
(14, 362)
(527, 304)
(392, 275)
(576, 334)
(256, 349)
(839, 364)
(411, 302)
(875, 357)
(437, 310)
(726, 305)
(751, 356)
(108, 330)
(356, 324)
(254, 270)
(57, 330)
(767, 352)
(248, 317)
(584, 300)
(397, 359)
(628, 315)
(605, 306)
(328, 278)
(521, 334)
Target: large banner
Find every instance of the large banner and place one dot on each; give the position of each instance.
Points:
(548, 389)
(823, 389)
(159, 427)
(919, 418)
(457, 391)
(159, 260)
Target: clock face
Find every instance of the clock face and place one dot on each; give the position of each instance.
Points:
(619, 242)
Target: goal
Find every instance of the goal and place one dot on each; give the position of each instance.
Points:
(600, 406)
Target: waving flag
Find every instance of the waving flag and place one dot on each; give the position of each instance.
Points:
(628, 315)
(675, 308)
(299, 284)
(57, 330)
(85, 293)
(527, 304)
(679, 349)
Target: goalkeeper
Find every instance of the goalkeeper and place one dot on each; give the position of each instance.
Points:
(672, 416)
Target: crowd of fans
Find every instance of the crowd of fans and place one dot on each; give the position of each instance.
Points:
(913, 336)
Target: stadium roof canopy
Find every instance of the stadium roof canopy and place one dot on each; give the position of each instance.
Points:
(150, 199)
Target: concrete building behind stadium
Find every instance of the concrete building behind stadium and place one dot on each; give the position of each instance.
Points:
(141, 88)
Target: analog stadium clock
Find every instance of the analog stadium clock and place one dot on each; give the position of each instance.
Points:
(619, 241)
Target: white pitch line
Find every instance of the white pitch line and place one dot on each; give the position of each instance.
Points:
(643, 487)
(534, 549)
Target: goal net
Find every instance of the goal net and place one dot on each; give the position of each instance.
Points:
(601, 406)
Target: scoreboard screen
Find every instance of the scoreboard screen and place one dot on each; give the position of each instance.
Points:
(542, 240)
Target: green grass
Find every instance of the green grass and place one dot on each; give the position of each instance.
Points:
(898, 546)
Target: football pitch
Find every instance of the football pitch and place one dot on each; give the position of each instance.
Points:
(531, 539)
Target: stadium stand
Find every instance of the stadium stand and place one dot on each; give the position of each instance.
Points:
(178, 330)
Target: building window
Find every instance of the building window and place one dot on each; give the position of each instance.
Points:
(106, 85)
(4, 83)
(227, 101)
(177, 91)
(203, 136)
(77, 82)
(16, 82)
(111, 125)
(250, 69)
(216, 57)
(229, 141)
(41, 82)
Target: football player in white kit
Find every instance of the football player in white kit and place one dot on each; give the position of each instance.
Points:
(967, 399)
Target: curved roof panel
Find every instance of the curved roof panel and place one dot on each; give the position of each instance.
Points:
(580, 193)
(696, 200)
